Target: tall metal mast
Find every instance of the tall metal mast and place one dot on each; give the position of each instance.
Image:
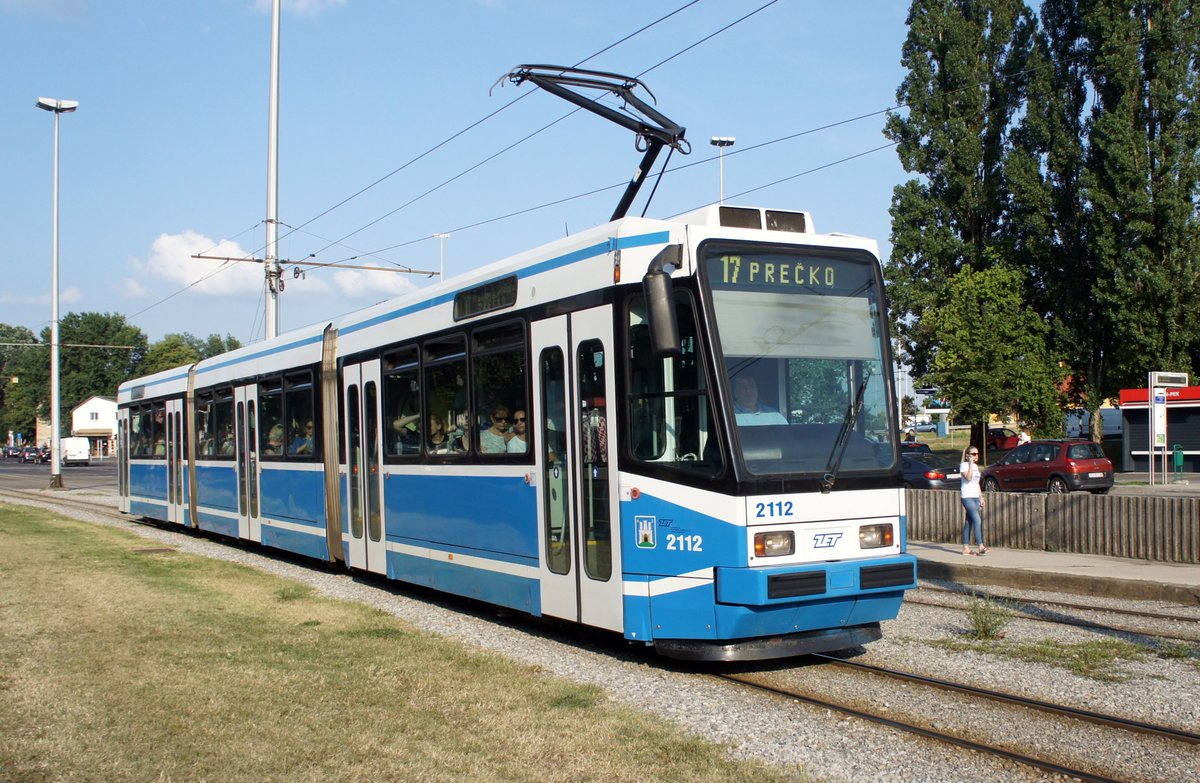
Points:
(271, 263)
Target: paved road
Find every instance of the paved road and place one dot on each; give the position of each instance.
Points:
(15, 474)
(103, 473)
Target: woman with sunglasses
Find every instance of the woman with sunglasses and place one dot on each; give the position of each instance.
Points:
(518, 443)
(972, 500)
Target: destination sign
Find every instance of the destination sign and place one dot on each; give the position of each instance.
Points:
(776, 271)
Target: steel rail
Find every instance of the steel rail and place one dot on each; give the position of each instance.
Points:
(1126, 724)
(1074, 622)
(971, 593)
(1031, 761)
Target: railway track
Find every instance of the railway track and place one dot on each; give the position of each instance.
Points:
(973, 593)
(68, 501)
(762, 682)
(1031, 609)
(1047, 762)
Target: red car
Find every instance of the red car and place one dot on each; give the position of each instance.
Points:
(1055, 466)
(1001, 439)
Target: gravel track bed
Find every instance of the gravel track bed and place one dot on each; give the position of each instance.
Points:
(829, 746)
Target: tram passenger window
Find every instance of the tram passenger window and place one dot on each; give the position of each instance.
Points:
(159, 437)
(205, 429)
(223, 423)
(671, 419)
(270, 418)
(300, 435)
(136, 432)
(446, 393)
(402, 403)
(501, 385)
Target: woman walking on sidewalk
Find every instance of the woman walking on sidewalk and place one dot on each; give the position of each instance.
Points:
(972, 500)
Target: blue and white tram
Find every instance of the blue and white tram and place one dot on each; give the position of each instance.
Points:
(679, 430)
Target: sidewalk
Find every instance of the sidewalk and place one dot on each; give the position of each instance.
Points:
(1028, 569)
(1138, 484)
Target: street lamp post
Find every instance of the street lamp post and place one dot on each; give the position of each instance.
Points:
(57, 107)
(441, 238)
(721, 142)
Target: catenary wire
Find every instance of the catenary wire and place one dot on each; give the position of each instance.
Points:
(473, 125)
(1138, 41)
(687, 48)
(525, 138)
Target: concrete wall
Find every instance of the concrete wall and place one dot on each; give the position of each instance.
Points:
(1143, 527)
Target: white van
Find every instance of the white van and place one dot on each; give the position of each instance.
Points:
(76, 451)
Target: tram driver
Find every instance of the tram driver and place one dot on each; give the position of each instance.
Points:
(747, 408)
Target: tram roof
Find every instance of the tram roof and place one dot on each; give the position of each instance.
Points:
(566, 266)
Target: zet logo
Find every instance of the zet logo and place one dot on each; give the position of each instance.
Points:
(826, 540)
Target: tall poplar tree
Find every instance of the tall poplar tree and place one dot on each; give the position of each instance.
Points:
(1105, 203)
(964, 92)
(1142, 183)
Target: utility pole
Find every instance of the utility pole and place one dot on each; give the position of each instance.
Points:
(721, 142)
(56, 481)
(441, 238)
(271, 265)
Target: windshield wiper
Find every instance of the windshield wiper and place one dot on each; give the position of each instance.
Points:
(843, 438)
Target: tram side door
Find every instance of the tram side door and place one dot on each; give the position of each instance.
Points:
(245, 403)
(580, 553)
(176, 449)
(364, 469)
(123, 459)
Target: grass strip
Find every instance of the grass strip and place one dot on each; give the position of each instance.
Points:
(153, 665)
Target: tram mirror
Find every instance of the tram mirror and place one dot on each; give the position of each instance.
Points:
(660, 302)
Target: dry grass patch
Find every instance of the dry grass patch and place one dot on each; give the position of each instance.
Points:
(127, 665)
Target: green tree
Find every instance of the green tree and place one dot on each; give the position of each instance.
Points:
(993, 355)
(16, 415)
(184, 348)
(1142, 183)
(97, 352)
(1106, 193)
(1049, 217)
(963, 93)
(214, 345)
(171, 351)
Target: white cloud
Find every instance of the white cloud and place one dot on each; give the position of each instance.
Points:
(171, 261)
(132, 289)
(70, 296)
(373, 286)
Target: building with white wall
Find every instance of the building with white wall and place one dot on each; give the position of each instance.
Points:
(96, 419)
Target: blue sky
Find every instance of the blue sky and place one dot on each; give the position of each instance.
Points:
(166, 155)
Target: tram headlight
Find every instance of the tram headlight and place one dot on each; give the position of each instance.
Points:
(775, 543)
(874, 536)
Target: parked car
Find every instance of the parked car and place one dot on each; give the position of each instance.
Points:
(12, 451)
(926, 427)
(1055, 466)
(926, 470)
(31, 454)
(1001, 439)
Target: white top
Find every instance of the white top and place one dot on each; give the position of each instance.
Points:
(970, 485)
(760, 416)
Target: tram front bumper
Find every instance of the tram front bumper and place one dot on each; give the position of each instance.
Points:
(789, 584)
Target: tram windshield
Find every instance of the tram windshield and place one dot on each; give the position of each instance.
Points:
(802, 338)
